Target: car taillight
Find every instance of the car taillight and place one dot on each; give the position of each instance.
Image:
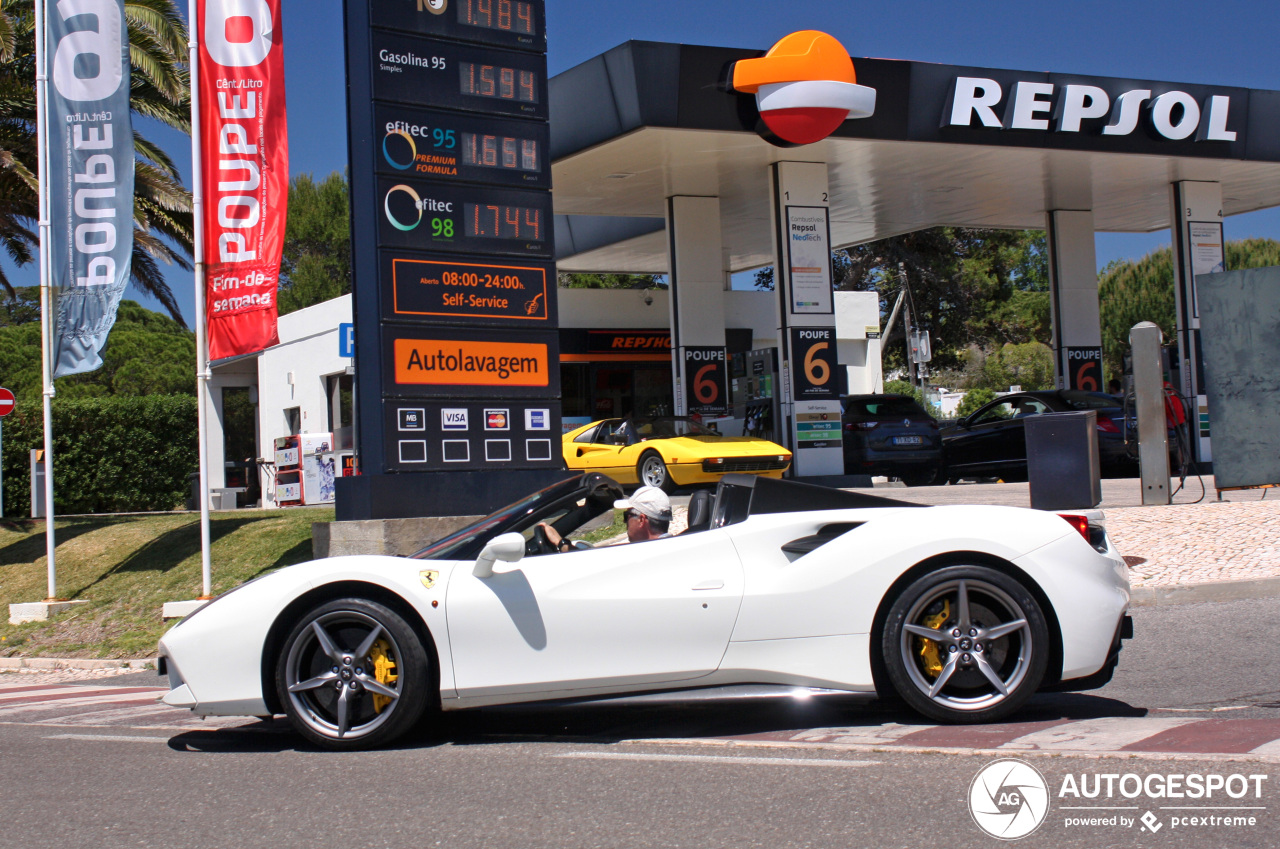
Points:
(1106, 425)
(933, 425)
(1080, 523)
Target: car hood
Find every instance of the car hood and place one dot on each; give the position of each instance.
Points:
(721, 446)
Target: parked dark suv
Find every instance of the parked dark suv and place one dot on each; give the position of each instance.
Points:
(890, 435)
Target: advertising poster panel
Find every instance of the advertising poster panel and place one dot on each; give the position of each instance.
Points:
(245, 169)
(809, 239)
(90, 175)
(706, 373)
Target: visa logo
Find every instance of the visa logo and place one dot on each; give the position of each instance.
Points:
(453, 419)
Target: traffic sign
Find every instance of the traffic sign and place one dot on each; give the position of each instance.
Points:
(6, 402)
(346, 340)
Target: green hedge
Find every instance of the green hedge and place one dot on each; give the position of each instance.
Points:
(110, 455)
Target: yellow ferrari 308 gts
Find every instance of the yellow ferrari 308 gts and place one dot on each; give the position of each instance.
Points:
(668, 451)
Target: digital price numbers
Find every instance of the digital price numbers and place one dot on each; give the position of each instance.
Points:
(489, 151)
(494, 221)
(502, 15)
(499, 82)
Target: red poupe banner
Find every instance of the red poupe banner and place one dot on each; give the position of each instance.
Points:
(244, 152)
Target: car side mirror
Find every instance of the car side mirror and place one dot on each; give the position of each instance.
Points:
(618, 438)
(508, 548)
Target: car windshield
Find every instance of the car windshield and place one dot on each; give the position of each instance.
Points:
(1079, 400)
(443, 549)
(891, 406)
(667, 427)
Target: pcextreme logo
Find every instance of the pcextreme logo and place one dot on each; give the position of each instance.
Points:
(805, 88)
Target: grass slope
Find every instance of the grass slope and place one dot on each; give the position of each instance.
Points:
(127, 567)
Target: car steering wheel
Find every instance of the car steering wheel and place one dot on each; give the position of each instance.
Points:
(542, 541)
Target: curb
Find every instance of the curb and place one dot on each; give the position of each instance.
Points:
(73, 663)
(1207, 592)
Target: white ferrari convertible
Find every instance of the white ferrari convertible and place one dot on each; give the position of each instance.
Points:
(961, 612)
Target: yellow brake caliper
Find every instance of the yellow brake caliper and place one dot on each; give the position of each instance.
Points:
(929, 648)
(384, 670)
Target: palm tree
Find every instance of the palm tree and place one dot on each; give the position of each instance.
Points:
(160, 90)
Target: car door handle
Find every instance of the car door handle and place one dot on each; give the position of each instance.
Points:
(709, 585)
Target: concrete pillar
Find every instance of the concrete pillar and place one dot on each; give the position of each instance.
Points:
(1073, 298)
(1198, 248)
(807, 336)
(698, 283)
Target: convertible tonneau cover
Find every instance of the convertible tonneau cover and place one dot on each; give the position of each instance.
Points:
(770, 495)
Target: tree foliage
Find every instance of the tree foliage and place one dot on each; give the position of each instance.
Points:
(965, 286)
(611, 281)
(147, 354)
(316, 261)
(110, 454)
(159, 89)
(973, 400)
(1029, 365)
(1143, 290)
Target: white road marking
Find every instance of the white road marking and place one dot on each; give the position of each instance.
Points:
(1096, 735)
(716, 759)
(867, 735)
(108, 737)
(59, 704)
(1272, 748)
(110, 717)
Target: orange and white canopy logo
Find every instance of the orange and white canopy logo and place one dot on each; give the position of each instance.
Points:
(805, 88)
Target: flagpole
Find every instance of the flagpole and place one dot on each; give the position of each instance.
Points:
(46, 320)
(202, 339)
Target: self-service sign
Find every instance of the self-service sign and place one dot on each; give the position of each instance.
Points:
(813, 363)
(706, 375)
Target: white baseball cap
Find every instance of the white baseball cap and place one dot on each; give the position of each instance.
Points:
(648, 500)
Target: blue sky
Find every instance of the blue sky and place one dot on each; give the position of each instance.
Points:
(1230, 42)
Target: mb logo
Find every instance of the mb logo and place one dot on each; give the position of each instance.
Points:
(1009, 799)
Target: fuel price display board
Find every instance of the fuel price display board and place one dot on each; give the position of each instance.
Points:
(453, 147)
(516, 24)
(453, 239)
(459, 76)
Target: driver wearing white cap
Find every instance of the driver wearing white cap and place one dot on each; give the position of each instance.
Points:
(647, 516)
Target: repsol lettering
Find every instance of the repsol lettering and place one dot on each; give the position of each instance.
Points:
(1079, 108)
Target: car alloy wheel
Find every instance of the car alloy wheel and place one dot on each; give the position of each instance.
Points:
(352, 675)
(965, 644)
(653, 472)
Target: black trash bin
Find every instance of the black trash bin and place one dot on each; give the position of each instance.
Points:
(1062, 461)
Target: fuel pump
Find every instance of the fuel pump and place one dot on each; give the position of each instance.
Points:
(1147, 384)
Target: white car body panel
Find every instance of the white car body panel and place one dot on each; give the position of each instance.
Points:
(716, 607)
(653, 613)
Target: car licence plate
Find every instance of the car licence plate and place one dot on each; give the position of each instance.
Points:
(908, 440)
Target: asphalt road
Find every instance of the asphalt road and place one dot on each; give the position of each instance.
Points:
(602, 776)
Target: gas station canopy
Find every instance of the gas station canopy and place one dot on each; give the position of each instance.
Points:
(946, 145)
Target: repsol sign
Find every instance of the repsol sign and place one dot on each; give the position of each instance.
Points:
(1080, 108)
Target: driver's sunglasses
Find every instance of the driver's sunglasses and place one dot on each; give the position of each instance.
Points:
(632, 514)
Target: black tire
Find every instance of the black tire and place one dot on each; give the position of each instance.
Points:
(919, 478)
(1016, 657)
(652, 471)
(329, 673)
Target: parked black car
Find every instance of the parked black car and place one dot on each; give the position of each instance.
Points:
(890, 435)
(992, 442)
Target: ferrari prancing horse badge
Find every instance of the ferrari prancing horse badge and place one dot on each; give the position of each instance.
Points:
(429, 578)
